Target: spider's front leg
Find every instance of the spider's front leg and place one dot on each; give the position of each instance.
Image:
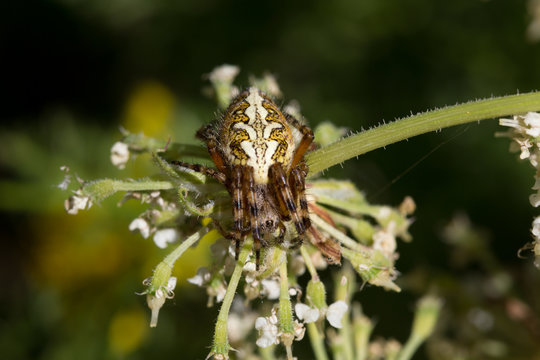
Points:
(307, 139)
(253, 210)
(239, 206)
(298, 181)
(285, 197)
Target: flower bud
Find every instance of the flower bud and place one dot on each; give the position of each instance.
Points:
(316, 293)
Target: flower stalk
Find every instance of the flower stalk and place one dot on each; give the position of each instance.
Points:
(285, 316)
(425, 319)
(221, 347)
(414, 125)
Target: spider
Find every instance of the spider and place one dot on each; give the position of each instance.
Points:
(258, 151)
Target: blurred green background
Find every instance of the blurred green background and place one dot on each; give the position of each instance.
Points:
(74, 71)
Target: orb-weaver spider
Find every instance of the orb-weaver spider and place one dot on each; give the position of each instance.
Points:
(259, 152)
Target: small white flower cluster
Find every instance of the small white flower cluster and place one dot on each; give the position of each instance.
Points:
(525, 130)
(120, 154)
(333, 314)
(525, 135)
(255, 288)
(147, 222)
(77, 202)
(214, 284)
(269, 334)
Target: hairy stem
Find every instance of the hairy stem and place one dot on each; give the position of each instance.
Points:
(221, 342)
(390, 133)
(186, 244)
(100, 189)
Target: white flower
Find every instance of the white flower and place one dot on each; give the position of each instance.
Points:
(224, 73)
(536, 227)
(384, 241)
(156, 301)
(335, 313)
(67, 178)
(299, 330)
(119, 154)
(164, 236)
(171, 284)
(532, 120)
(270, 288)
(202, 277)
(306, 313)
(268, 330)
(141, 225)
(384, 212)
(77, 202)
(534, 199)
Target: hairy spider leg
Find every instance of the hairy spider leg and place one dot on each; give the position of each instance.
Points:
(284, 191)
(306, 141)
(216, 174)
(298, 182)
(249, 183)
(238, 205)
(216, 156)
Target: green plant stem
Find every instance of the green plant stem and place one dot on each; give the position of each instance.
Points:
(309, 263)
(316, 340)
(285, 317)
(390, 133)
(409, 348)
(338, 235)
(100, 189)
(186, 244)
(221, 341)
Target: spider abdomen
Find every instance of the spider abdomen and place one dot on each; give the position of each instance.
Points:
(255, 133)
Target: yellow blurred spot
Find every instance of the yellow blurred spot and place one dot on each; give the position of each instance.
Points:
(206, 221)
(127, 330)
(72, 252)
(149, 109)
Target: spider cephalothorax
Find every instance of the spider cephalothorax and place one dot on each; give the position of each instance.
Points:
(258, 151)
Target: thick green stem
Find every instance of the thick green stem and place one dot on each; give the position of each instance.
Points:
(390, 133)
(285, 316)
(221, 341)
(186, 244)
(316, 340)
(101, 189)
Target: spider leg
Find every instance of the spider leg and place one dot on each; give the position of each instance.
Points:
(296, 243)
(306, 141)
(281, 182)
(256, 226)
(238, 205)
(297, 179)
(216, 174)
(208, 134)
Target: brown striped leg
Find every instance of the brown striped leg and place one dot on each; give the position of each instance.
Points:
(296, 243)
(306, 141)
(280, 180)
(238, 205)
(218, 175)
(297, 180)
(216, 156)
(253, 210)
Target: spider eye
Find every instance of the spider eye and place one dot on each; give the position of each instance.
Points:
(269, 223)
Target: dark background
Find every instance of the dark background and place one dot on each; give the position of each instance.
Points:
(71, 73)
